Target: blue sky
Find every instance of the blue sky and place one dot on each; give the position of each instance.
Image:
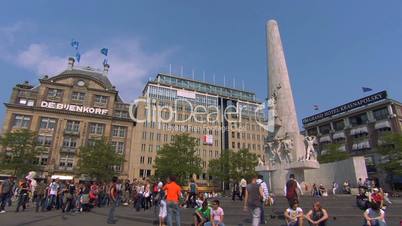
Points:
(332, 48)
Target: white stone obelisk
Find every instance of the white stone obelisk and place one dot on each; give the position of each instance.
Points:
(278, 81)
(288, 148)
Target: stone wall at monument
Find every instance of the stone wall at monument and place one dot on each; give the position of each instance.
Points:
(350, 169)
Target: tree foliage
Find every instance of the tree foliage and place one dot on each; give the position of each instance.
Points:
(332, 154)
(233, 165)
(391, 149)
(178, 158)
(20, 150)
(97, 159)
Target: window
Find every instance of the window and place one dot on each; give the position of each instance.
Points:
(144, 135)
(325, 129)
(158, 147)
(142, 160)
(380, 114)
(150, 148)
(158, 136)
(118, 147)
(45, 140)
(312, 131)
(73, 126)
(69, 142)
(77, 96)
(26, 102)
(238, 135)
(54, 93)
(121, 114)
(119, 131)
(358, 119)
(233, 134)
(142, 147)
(102, 100)
(47, 123)
(233, 145)
(149, 160)
(142, 173)
(151, 136)
(66, 161)
(238, 145)
(96, 128)
(339, 125)
(21, 121)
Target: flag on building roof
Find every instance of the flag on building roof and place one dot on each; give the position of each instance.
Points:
(78, 56)
(104, 51)
(316, 108)
(366, 89)
(75, 44)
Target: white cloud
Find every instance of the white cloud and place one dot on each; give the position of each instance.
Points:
(130, 64)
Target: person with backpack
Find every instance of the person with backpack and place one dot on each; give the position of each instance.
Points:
(290, 189)
(192, 197)
(113, 193)
(253, 200)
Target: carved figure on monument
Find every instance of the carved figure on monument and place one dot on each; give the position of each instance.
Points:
(310, 146)
(260, 161)
(275, 147)
(287, 149)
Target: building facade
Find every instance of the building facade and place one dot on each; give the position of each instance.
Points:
(67, 111)
(357, 128)
(219, 117)
(80, 105)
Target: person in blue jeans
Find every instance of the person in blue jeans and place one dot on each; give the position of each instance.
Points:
(114, 200)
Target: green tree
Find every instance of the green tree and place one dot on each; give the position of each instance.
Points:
(178, 158)
(332, 154)
(233, 165)
(96, 160)
(220, 168)
(20, 151)
(391, 148)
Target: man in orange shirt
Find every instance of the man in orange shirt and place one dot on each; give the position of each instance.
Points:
(173, 193)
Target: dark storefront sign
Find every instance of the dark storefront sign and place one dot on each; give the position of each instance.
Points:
(346, 107)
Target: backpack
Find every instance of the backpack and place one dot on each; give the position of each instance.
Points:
(291, 189)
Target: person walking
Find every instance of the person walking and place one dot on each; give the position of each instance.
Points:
(335, 187)
(114, 199)
(265, 197)
(243, 185)
(6, 193)
(173, 193)
(236, 191)
(40, 196)
(253, 200)
(191, 202)
(291, 188)
(22, 195)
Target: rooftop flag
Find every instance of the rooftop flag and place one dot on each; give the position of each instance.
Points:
(75, 44)
(78, 56)
(366, 89)
(104, 51)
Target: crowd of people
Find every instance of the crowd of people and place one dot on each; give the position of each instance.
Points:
(168, 198)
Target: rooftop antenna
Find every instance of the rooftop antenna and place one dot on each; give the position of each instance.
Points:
(242, 84)
(203, 76)
(192, 73)
(224, 80)
(213, 78)
(181, 70)
(170, 69)
(234, 83)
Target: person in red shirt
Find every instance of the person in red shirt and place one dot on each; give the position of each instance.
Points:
(173, 194)
(377, 197)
